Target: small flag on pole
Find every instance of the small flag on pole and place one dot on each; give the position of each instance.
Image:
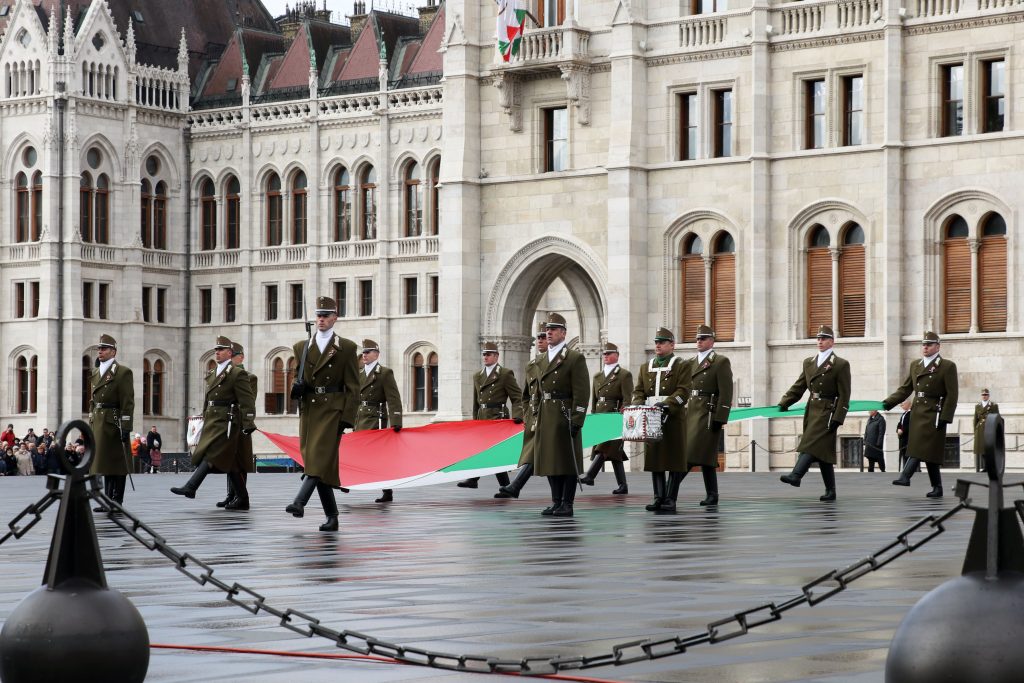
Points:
(511, 22)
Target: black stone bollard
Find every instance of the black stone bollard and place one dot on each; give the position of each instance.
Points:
(73, 627)
(968, 629)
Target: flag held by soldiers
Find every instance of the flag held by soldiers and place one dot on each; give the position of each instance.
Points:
(511, 22)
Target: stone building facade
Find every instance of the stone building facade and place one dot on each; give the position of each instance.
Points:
(766, 167)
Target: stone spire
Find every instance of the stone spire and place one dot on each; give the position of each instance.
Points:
(183, 52)
(69, 32)
(129, 42)
(51, 33)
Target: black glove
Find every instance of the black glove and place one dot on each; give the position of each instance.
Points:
(125, 436)
(298, 390)
(945, 423)
(517, 420)
(574, 430)
(886, 406)
(397, 428)
(833, 426)
(347, 425)
(716, 426)
(248, 430)
(783, 408)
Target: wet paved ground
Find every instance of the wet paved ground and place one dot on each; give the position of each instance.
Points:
(451, 569)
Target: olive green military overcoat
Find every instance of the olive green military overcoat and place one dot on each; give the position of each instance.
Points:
(935, 390)
(217, 447)
(380, 404)
(116, 390)
(499, 387)
(830, 386)
(610, 394)
(531, 405)
(564, 394)
(669, 454)
(323, 416)
(246, 457)
(981, 414)
(708, 408)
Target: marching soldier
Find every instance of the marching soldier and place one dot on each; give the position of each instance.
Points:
(707, 412)
(246, 458)
(493, 387)
(982, 410)
(531, 400)
(932, 381)
(229, 411)
(110, 416)
(827, 377)
(327, 390)
(564, 387)
(611, 391)
(379, 399)
(664, 381)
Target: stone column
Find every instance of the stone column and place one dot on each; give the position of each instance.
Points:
(975, 245)
(835, 252)
(709, 262)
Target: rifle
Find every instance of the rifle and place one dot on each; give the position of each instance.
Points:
(299, 384)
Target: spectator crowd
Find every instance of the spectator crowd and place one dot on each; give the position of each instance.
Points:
(38, 453)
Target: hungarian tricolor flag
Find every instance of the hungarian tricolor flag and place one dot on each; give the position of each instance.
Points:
(511, 22)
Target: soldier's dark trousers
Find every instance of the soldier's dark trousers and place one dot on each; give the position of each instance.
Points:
(517, 484)
(935, 478)
(240, 499)
(116, 482)
(297, 508)
(595, 468)
(194, 482)
(828, 475)
(555, 483)
(668, 501)
(710, 475)
(620, 477)
(908, 471)
(658, 482)
(803, 464)
(231, 488)
(106, 490)
(330, 506)
(569, 484)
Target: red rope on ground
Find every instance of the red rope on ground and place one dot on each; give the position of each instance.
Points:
(365, 658)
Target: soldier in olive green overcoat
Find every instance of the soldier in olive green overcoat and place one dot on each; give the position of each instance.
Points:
(933, 383)
(664, 381)
(229, 412)
(531, 406)
(827, 377)
(611, 391)
(494, 387)
(982, 410)
(380, 404)
(111, 411)
(246, 457)
(707, 410)
(328, 394)
(564, 394)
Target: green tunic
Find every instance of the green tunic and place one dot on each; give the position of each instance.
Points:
(981, 414)
(246, 457)
(935, 391)
(112, 408)
(497, 388)
(234, 409)
(323, 416)
(380, 404)
(610, 394)
(531, 401)
(564, 393)
(829, 384)
(669, 454)
(708, 408)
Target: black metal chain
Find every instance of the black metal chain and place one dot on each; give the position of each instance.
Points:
(35, 511)
(740, 623)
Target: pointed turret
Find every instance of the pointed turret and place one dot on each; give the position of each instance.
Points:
(129, 41)
(69, 32)
(183, 52)
(51, 34)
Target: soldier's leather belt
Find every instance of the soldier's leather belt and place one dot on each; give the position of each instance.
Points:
(220, 404)
(492, 406)
(609, 401)
(698, 392)
(556, 396)
(371, 404)
(106, 405)
(815, 395)
(921, 394)
(335, 389)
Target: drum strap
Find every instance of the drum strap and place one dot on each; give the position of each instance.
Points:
(659, 372)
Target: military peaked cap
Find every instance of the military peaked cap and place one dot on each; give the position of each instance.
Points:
(237, 349)
(984, 392)
(370, 345)
(664, 334)
(826, 331)
(326, 305)
(705, 331)
(609, 348)
(555, 320)
(108, 341)
(489, 347)
(930, 338)
(542, 329)
(222, 343)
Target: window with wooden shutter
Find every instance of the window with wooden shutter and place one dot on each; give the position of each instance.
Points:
(956, 275)
(692, 275)
(992, 275)
(819, 281)
(852, 290)
(723, 288)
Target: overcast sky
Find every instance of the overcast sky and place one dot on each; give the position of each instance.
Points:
(342, 8)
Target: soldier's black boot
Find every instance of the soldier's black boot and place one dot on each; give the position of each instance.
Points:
(193, 483)
(828, 475)
(935, 477)
(231, 494)
(871, 464)
(668, 503)
(569, 484)
(330, 505)
(297, 508)
(881, 463)
(386, 497)
(593, 471)
(502, 478)
(658, 482)
(908, 471)
(241, 499)
(556, 495)
(620, 478)
(803, 464)
(106, 490)
(470, 483)
(513, 489)
(117, 483)
(710, 475)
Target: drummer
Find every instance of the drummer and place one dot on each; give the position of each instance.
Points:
(664, 382)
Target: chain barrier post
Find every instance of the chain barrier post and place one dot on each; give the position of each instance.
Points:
(753, 456)
(968, 629)
(74, 627)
